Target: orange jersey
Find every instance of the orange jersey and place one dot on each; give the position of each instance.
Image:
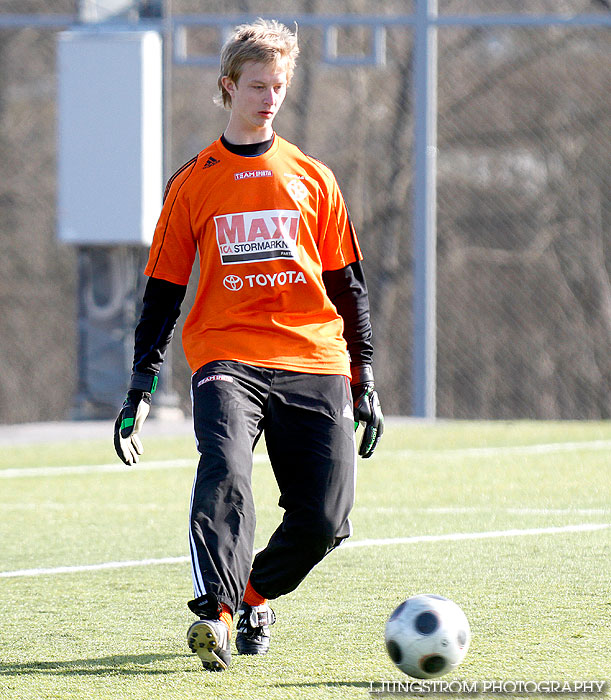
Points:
(265, 228)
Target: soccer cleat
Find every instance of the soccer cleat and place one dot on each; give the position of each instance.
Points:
(253, 628)
(209, 639)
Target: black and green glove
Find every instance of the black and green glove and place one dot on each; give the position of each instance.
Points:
(133, 413)
(367, 410)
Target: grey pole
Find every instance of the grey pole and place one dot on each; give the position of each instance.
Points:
(424, 210)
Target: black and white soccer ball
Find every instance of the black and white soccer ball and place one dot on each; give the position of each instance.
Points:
(427, 636)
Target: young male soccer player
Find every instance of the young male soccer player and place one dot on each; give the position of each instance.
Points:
(279, 324)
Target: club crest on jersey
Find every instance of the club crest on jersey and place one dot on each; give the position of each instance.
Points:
(253, 236)
(297, 189)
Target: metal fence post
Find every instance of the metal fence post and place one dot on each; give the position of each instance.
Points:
(424, 209)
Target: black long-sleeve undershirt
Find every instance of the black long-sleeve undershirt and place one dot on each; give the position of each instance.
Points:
(160, 311)
(347, 290)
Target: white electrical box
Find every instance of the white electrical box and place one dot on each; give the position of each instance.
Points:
(110, 149)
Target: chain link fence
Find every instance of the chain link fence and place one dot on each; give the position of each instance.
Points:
(524, 223)
(524, 175)
(38, 335)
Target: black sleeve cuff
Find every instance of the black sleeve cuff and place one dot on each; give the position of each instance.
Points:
(361, 374)
(143, 382)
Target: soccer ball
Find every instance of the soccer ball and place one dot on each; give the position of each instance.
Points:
(427, 636)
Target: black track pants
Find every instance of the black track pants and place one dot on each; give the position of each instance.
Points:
(309, 432)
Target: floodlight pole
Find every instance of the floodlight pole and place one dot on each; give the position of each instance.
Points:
(424, 210)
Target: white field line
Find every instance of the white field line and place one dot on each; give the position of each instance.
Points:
(543, 448)
(450, 537)
(453, 537)
(107, 468)
(92, 567)
(96, 468)
(403, 510)
(462, 510)
(547, 448)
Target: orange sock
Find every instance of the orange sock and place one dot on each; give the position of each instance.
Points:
(227, 617)
(251, 597)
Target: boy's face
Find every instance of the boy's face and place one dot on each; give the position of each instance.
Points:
(257, 95)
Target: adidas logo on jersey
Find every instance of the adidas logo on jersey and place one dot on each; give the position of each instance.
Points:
(210, 162)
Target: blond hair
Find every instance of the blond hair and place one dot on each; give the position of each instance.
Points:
(263, 41)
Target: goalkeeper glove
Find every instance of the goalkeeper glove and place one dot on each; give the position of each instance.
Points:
(367, 408)
(133, 413)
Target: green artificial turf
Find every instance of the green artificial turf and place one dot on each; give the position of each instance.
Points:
(497, 497)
